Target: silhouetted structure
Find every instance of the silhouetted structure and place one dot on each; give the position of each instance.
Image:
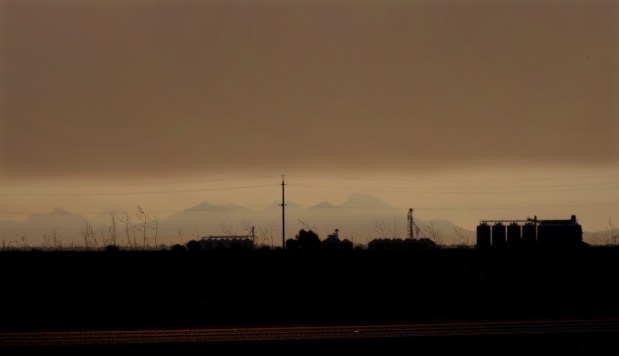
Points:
(333, 242)
(529, 234)
(532, 232)
(229, 241)
(411, 224)
(498, 235)
(402, 244)
(213, 242)
(514, 234)
(556, 233)
(483, 235)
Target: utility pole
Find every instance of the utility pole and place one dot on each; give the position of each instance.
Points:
(283, 216)
(411, 224)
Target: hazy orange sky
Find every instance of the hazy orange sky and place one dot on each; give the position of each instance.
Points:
(461, 109)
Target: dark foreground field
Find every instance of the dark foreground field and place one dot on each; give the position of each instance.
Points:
(557, 339)
(131, 289)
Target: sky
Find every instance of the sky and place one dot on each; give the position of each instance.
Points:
(463, 110)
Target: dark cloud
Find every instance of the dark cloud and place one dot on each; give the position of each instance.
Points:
(153, 87)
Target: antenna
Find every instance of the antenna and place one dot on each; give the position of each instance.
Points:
(283, 215)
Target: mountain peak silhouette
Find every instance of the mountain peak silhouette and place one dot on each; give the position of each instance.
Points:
(364, 200)
(60, 211)
(208, 206)
(324, 204)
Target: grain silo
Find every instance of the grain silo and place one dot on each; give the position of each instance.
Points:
(483, 235)
(514, 235)
(498, 235)
(529, 234)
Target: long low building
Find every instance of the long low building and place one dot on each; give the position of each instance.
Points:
(215, 242)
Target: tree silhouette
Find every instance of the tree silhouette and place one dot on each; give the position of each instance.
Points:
(292, 244)
(308, 240)
(178, 248)
(88, 233)
(193, 246)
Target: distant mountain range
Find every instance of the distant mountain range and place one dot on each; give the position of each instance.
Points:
(360, 218)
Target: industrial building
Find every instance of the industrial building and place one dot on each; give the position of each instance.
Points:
(529, 233)
(229, 241)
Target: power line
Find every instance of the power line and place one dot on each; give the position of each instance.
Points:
(134, 193)
(389, 188)
(416, 180)
(422, 209)
(33, 185)
(436, 190)
(465, 209)
(214, 208)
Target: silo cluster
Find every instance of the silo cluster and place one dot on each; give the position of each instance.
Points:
(500, 235)
(528, 233)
